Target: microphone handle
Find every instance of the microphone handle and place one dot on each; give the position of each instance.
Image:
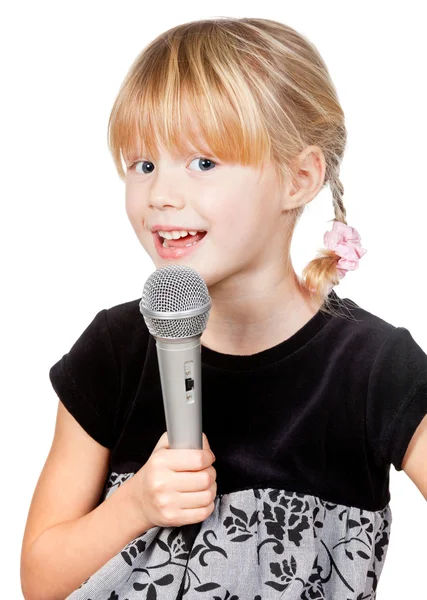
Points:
(181, 380)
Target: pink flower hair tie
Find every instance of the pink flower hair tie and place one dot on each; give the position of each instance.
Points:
(344, 241)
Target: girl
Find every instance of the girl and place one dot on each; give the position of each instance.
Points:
(227, 129)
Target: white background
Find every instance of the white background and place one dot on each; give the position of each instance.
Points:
(69, 251)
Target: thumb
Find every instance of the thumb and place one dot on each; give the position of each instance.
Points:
(164, 442)
(206, 445)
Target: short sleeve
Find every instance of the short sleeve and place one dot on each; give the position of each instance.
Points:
(397, 396)
(86, 381)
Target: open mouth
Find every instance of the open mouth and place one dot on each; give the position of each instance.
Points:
(183, 242)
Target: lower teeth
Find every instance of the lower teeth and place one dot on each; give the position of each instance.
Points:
(165, 244)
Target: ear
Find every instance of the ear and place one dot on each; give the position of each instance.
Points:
(309, 169)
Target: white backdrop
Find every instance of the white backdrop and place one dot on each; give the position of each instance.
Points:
(69, 251)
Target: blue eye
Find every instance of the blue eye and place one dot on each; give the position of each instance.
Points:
(206, 163)
(142, 162)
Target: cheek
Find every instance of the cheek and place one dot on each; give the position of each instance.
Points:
(238, 216)
(132, 208)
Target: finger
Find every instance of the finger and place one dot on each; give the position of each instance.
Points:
(206, 445)
(163, 442)
(194, 482)
(197, 499)
(187, 459)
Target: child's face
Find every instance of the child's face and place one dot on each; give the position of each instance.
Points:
(240, 208)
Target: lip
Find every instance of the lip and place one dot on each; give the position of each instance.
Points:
(168, 253)
(173, 228)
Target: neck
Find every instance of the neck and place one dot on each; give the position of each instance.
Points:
(270, 310)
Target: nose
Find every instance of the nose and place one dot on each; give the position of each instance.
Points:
(166, 195)
(165, 202)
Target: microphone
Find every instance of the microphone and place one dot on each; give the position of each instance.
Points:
(175, 305)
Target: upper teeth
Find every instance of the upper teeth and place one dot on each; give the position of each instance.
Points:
(174, 235)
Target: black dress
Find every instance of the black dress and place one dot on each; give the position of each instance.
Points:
(304, 434)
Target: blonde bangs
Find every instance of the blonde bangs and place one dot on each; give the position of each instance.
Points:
(183, 95)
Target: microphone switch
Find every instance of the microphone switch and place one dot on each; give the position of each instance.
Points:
(189, 384)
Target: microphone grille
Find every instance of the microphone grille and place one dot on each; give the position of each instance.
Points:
(175, 289)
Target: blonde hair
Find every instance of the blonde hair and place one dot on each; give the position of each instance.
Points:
(256, 89)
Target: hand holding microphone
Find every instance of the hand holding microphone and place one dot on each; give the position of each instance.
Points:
(177, 485)
(174, 487)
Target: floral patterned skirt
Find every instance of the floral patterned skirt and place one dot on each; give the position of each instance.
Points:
(258, 544)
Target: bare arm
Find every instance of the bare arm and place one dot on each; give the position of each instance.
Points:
(68, 537)
(65, 555)
(415, 460)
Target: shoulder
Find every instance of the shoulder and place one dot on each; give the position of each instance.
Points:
(126, 320)
(125, 310)
(357, 330)
(364, 339)
(128, 334)
(361, 324)
(395, 362)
